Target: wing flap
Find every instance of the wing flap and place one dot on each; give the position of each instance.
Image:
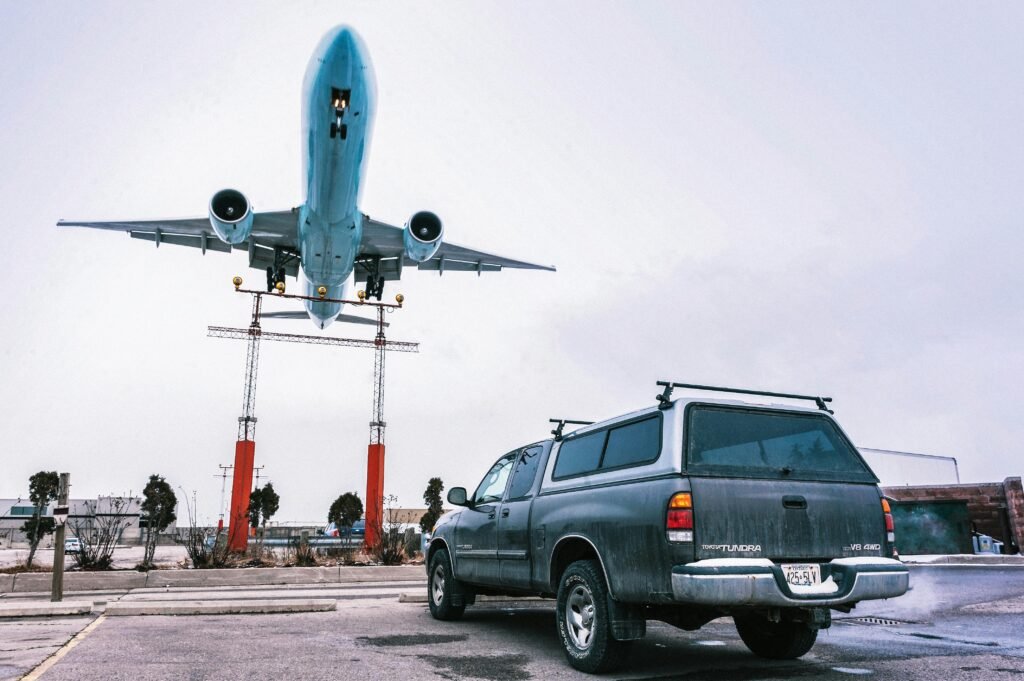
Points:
(212, 243)
(384, 241)
(445, 265)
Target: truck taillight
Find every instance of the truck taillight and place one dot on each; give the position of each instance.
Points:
(890, 527)
(679, 519)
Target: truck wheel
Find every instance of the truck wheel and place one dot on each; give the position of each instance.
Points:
(583, 622)
(440, 586)
(775, 640)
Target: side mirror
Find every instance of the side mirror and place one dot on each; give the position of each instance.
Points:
(457, 496)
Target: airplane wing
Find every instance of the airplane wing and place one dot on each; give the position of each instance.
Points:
(271, 231)
(384, 241)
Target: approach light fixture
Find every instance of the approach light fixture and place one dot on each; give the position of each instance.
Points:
(399, 299)
(237, 281)
(279, 286)
(361, 294)
(321, 291)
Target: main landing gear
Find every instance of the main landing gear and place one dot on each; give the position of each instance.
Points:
(274, 277)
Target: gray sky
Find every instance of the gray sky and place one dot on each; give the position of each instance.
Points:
(803, 197)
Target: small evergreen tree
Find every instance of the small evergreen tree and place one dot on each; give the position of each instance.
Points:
(42, 489)
(345, 511)
(432, 497)
(263, 504)
(158, 505)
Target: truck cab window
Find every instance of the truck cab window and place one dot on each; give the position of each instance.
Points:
(492, 487)
(524, 473)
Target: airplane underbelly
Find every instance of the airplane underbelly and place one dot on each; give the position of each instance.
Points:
(329, 251)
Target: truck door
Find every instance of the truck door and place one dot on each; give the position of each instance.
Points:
(514, 520)
(476, 536)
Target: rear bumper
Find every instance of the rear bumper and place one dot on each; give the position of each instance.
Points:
(759, 582)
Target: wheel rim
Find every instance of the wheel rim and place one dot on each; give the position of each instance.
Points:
(437, 585)
(579, 616)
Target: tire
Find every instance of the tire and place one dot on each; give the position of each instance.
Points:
(775, 640)
(584, 626)
(441, 585)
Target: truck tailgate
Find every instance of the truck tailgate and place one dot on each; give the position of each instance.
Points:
(785, 519)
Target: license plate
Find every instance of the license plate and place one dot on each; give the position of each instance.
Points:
(802, 575)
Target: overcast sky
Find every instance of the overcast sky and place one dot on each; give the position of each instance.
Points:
(805, 197)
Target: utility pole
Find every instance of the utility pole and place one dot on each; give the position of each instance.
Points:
(223, 486)
(60, 516)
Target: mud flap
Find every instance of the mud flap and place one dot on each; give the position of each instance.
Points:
(627, 622)
(462, 594)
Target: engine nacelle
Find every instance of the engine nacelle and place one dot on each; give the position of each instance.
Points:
(231, 216)
(422, 236)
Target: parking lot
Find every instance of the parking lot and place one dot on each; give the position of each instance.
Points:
(957, 623)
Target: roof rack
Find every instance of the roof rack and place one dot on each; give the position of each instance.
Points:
(557, 432)
(665, 402)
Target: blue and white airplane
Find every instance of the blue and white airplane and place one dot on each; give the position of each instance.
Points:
(326, 240)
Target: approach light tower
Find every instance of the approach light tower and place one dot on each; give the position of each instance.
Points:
(375, 451)
(245, 447)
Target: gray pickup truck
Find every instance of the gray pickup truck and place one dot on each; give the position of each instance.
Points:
(684, 512)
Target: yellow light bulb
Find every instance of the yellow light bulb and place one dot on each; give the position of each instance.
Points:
(237, 281)
(399, 299)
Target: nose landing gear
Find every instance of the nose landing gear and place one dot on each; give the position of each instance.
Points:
(339, 103)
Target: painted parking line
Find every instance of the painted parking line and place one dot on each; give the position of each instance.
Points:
(64, 650)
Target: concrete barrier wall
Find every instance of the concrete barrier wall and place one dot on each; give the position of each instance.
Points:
(126, 580)
(995, 508)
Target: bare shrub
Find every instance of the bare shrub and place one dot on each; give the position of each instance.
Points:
(99, 530)
(389, 547)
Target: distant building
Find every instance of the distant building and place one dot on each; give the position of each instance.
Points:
(910, 468)
(83, 513)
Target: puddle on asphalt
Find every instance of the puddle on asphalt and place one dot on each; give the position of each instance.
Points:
(411, 639)
(487, 667)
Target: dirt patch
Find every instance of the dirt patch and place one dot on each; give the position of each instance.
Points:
(1009, 606)
(411, 639)
(21, 569)
(488, 667)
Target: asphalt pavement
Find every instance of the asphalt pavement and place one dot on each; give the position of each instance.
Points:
(956, 623)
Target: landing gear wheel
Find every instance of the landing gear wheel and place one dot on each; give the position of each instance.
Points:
(441, 588)
(584, 626)
(785, 640)
(270, 279)
(334, 130)
(344, 131)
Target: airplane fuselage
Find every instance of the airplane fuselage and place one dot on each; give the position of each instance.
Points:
(338, 103)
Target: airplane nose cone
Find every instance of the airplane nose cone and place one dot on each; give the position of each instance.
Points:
(345, 42)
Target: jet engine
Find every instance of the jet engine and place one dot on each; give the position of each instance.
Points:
(422, 236)
(231, 216)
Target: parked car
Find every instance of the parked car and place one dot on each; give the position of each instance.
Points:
(72, 545)
(684, 512)
(358, 530)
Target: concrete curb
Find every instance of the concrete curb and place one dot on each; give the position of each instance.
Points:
(417, 597)
(220, 607)
(45, 609)
(111, 581)
(79, 581)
